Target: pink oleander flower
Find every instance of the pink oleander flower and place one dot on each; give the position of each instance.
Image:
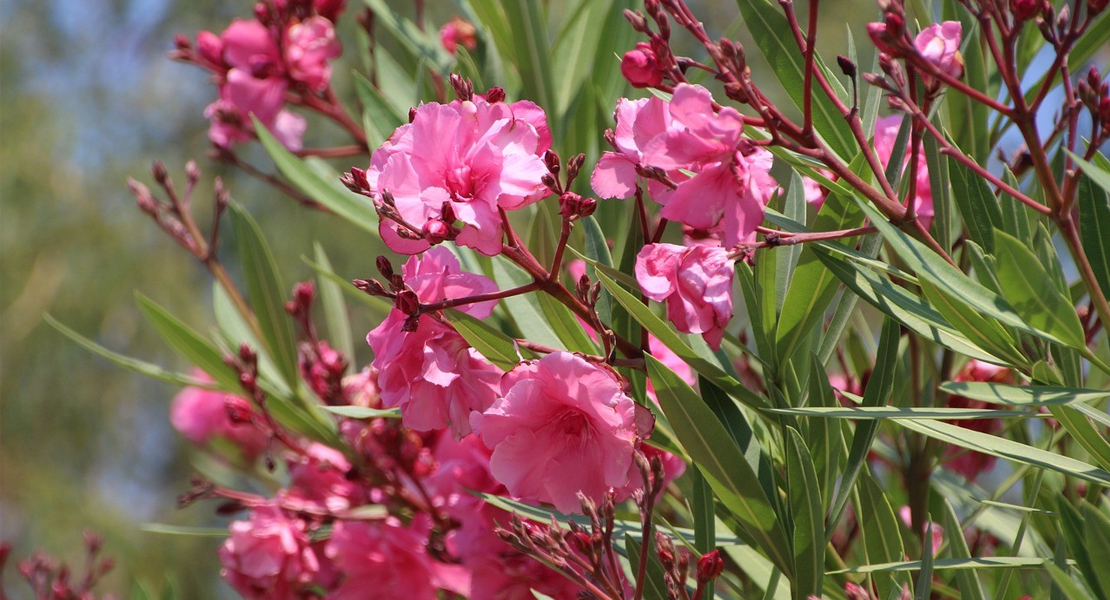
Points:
(361, 389)
(458, 32)
(254, 83)
(309, 45)
(906, 515)
(640, 67)
(696, 284)
(318, 481)
(268, 557)
(459, 164)
(563, 425)
(386, 560)
(731, 180)
(886, 134)
(202, 415)
(969, 463)
(940, 44)
(432, 373)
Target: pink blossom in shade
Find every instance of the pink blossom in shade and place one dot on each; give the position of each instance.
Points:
(318, 482)
(458, 32)
(329, 9)
(386, 560)
(906, 516)
(309, 45)
(638, 123)
(432, 373)
(201, 415)
(563, 425)
(940, 44)
(513, 576)
(640, 67)
(886, 134)
(476, 157)
(361, 389)
(696, 284)
(268, 556)
(969, 463)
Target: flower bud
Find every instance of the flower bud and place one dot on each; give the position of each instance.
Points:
(1025, 9)
(304, 293)
(210, 47)
(384, 267)
(407, 302)
(710, 566)
(238, 410)
(640, 67)
(435, 231)
(1096, 6)
(495, 95)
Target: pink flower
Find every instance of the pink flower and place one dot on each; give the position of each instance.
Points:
(564, 425)
(309, 45)
(361, 389)
(268, 557)
(940, 45)
(458, 31)
(202, 415)
(696, 284)
(432, 373)
(886, 134)
(386, 560)
(906, 516)
(731, 180)
(640, 67)
(254, 83)
(319, 481)
(462, 161)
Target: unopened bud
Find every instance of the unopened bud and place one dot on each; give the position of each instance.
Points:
(464, 89)
(435, 231)
(710, 566)
(1096, 6)
(210, 47)
(407, 302)
(573, 166)
(1025, 9)
(410, 324)
(181, 42)
(846, 66)
(158, 170)
(370, 287)
(304, 293)
(551, 159)
(640, 66)
(412, 115)
(143, 197)
(238, 410)
(246, 354)
(495, 95)
(384, 267)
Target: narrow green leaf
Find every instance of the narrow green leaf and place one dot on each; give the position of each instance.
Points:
(864, 413)
(165, 529)
(968, 583)
(379, 117)
(1094, 230)
(882, 533)
(977, 204)
(704, 514)
(1075, 530)
(597, 249)
(1084, 434)
(363, 412)
(1031, 291)
(331, 194)
(1008, 449)
(1022, 395)
(530, 49)
(944, 221)
(1096, 525)
(985, 333)
(267, 294)
(335, 310)
(421, 45)
(924, 585)
(795, 209)
(990, 562)
(877, 393)
(808, 516)
(825, 437)
(132, 364)
(497, 347)
(729, 474)
(654, 586)
(189, 344)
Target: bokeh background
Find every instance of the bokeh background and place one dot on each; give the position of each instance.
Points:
(87, 98)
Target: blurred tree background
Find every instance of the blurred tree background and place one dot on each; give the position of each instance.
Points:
(88, 97)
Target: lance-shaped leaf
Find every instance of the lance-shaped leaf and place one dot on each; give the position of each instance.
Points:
(1033, 294)
(808, 517)
(882, 534)
(335, 310)
(728, 471)
(1022, 395)
(497, 347)
(977, 204)
(967, 580)
(1094, 229)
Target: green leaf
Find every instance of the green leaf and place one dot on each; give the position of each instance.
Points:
(663, 332)
(497, 347)
(597, 250)
(1094, 230)
(530, 49)
(132, 364)
(1084, 434)
(808, 516)
(1075, 531)
(1008, 449)
(826, 437)
(878, 391)
(703, 512)
(768, 26)
(882, 533)
(267, 294)
(189, 344)
(1096, 526)
(1022, 395)
(968, 583)
(654, 586)
(730, 475)
(1034, 296)
(335, 310)
(331, 194)
(795, 209)
(863, 413)
(379, 117)
(524, 310)
(944, 221)
(162, 528)
(977, 204)
(421, 45)
(983, 332)
(990, 562)
(363, 412)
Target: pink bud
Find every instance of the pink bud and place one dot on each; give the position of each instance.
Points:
(330, 9)
(210, 47)
(435, 231)
(640, 67)
(710, 566)
(1025, 9)
(940, 44)
(407, 302)
(304, 293)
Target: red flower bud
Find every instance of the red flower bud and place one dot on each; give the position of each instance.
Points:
(407, 302)
(1025, 9)
(435, 231)
(210, 47)
(641, 67)
(710, 566)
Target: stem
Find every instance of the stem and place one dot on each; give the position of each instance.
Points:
(1070, 234)
(334, 152)
(811, 37)
(476, 298)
